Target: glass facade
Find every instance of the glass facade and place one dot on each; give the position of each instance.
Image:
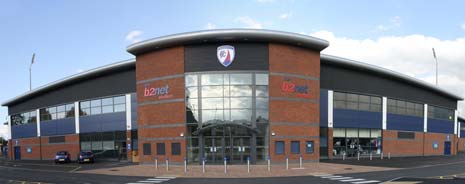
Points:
(405, 108)
(440, 113)
(24, 118)
(227, 116)
(352, 141)
(102, 106)
(57, 112)
(357, 102)
(105, 144)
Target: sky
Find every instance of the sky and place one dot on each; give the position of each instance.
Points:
(69, 37)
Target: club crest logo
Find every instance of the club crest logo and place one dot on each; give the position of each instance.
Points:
(225, 54)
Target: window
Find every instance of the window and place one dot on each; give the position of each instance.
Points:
(406, 135)
(295, 147)
(56, 139)
(176, 148)
(440, 113)
(309, 147)
(404, 108)
(357, 102)
(147, 149)
(24, 118)
(103, 106)
(57, 112)
(160, 148)
(279, 147)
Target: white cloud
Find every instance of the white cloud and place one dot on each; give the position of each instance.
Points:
(4, 131)
(463, 26)
(249, 22)
(210, 26)
(411, 55)
(394, 22)
(285, 15)
(134, 36)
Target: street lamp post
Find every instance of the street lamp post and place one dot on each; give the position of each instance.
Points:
(436, 59)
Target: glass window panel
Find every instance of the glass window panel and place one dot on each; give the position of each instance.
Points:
(97, 145)
(410, 105)
(108, 145)
(85, 146)
(85, 112)
(364, 106)
(279, 147)
(95, 103)
(212, 103)
(261, 103)
(401, 110)
(84, 104)
(391, 102)
(375, 100)
(339, 104)
(419, 106)
(339, 132)
(192, 92)
(261, 79)
(401, 103)
(241, 90)
(61, 115)
(352, 105)
(119, 100)
(375, 108)
(261, 91)
(212, 79)
(96, 110)
(107, 109)
(364, 99)
(212, 91)
(262, 116)
(364, 133)
(192, 104)
(227, 115)
(120, 108)
(212, 116)
(352, 132)
(352, 97)
(241, 79)
(243, 103)
(53, 116)
(61, 108)
(191, 80)
(226, 79)
(52, 109)
(107, 101)
(295, 147)
(69, 107)
(241, 115)
(410, 112)
(375, 133)
(339, 96)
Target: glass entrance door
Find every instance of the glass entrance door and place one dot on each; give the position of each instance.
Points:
(213, 149)
(240, 150)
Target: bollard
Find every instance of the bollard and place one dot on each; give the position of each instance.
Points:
(389, 155)
(203, 165)
(167, 163)
(344, 156)
(371, 157)
(382, 155)
(156, 163)
(300, 162)
(185, 165)
(248, 164)
(287, 163)
(225, 169)
(269, 164)
(358, 156)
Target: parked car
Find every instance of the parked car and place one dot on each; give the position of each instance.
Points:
(62, 156)
(85, 156)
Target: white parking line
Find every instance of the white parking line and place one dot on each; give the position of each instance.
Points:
(343, 178)
(352, 180)
(327, 177)
(363, 182)
(167, 177)
(158, 179)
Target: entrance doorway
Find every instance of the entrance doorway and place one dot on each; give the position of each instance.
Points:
(447, 148)
(17, 150)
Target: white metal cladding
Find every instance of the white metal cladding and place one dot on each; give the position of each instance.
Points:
(76, 116)
(384, 113)
(425, 118)
(38, 122)
(330, 108)
(9, 126)
(455, 121)
(128, 112)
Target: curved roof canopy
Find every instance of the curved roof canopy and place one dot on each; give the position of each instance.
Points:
(228, 35)
(347, 63)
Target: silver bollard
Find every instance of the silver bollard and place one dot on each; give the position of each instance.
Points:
(382, 155)
(225, 168)
(344, 156)
(185, 165)
(287, 163)
(248, 165)
(203, 165)
(371, 157)
(167, 163)
(300, 162)
(358, 156)
(269, 164)
(156, 163)
(389, 155)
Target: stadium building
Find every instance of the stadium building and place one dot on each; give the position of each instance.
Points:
(235, 94)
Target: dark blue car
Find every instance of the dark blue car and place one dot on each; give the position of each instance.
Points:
(85, 156)
(62, 156)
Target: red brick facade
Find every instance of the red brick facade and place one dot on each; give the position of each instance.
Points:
(41, 149)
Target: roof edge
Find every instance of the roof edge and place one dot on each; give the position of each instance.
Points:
(78, 76)
(225, 35)
(361, 65)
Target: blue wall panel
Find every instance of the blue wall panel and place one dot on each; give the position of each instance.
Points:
(440, 126)
(462, 132)
(323, 108)
(357, 119)
(57, 127)
(103, 122)
(401, 122)
(23, 131)
(134, 111)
